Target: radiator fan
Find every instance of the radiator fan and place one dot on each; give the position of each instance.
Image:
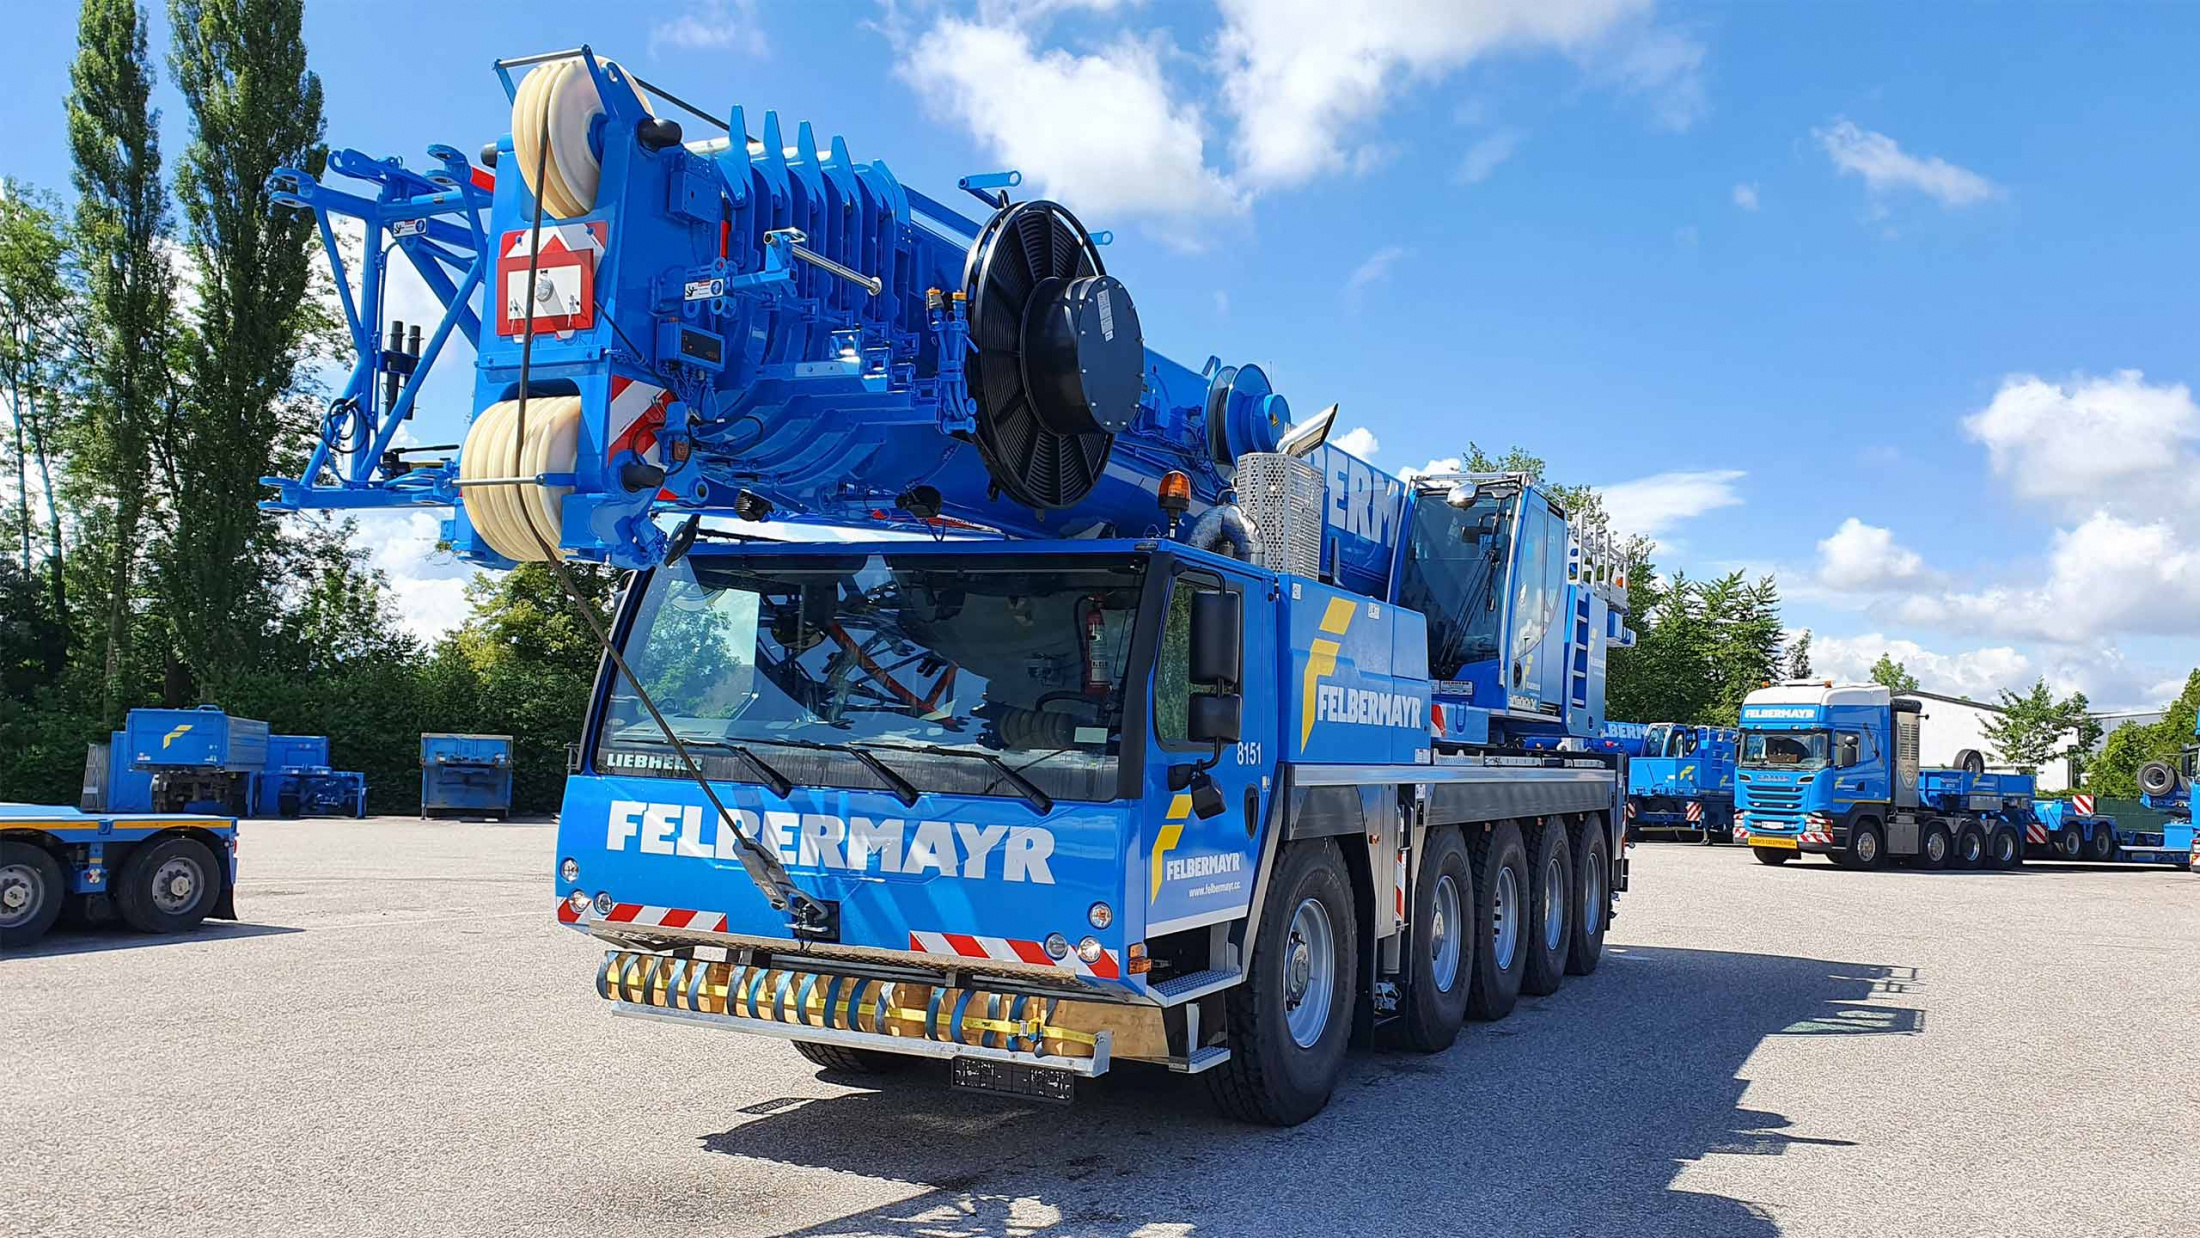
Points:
(1059, 362)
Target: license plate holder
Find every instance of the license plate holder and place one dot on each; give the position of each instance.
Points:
(1040, 1083)
(1772, 840)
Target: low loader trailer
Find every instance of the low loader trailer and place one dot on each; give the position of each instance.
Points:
(156, 872)
(1683, 783)
(1030, 700)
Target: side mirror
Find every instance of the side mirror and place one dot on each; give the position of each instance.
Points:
(1218, 638)
(1846, 753)
(1216, 718)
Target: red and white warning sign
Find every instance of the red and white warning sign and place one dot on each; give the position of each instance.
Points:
(2083, 803)
(565, 279)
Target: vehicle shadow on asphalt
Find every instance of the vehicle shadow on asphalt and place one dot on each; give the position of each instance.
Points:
(116, 937)
(1574, 1116)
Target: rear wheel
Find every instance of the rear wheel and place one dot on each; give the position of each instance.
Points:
(1443, 906)
(1933, 846)
(2069, 843)
(851, 1061)
(1289, 1021)
(1593, 885)
(1551, 872)
(2102, 846)
(1774, 856)
(32, 890)
(1970, 850)
(168, 885)
(1501, 921)
(2004, 849)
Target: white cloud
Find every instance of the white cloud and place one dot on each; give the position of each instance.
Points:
(1372, 270)
(1300, 81)
(1745, 196)
(1447, 464)
(1977, 673)
(1360, 441)
(1652, 505)
(2089, 438)
(1861, 557)
(2106, 576)
(1103, 132)
(1886, 167)
(716, 25)
(1483, 157)
(428, 585)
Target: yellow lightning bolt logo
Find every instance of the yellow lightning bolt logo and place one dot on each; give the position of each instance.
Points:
(172, 736)
(1164, 842)
(1321, 660)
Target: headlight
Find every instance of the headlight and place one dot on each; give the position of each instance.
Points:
(1101, 915)
(570, 869)
(1089, 950)
(1057, 946)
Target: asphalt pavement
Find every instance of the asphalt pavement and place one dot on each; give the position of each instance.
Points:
(398, 1040)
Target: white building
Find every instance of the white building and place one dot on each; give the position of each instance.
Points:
(1953, 724)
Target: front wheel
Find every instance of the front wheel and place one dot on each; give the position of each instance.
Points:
(32, 890)
(1867, 846)
(1291, 1018)
(1443, 934)
(1774, 856)
(168, 886)
(1550, 900)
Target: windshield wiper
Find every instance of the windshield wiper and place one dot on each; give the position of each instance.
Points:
(903, 789)
(1030, 790)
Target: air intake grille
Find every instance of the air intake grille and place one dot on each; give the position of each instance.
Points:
(1283, 494)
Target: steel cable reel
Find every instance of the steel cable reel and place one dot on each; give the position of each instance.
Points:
(565, 92)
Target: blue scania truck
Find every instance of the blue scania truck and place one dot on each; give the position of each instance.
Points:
(1683, 782)
(1832, 769)
(1087, 706)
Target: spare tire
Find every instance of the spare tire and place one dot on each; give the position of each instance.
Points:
(2159, 778)
(1970, 762)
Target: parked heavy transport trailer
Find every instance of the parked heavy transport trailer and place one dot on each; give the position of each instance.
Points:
(299, 782)
(2166, 787)
(465, 775)
(157, 872)
(203, 760)
(1833, 769)
(1171, 735)
(1683, 782)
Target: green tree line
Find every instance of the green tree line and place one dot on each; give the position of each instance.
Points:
(162, 334)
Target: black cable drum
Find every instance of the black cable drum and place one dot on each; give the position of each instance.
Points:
(1059, 361)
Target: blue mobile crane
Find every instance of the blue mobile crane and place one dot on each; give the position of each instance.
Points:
(1683, 783)
(1172, 734)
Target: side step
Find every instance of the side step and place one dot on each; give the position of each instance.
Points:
(1177, 990)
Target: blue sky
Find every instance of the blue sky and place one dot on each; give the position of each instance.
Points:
(1893, 300)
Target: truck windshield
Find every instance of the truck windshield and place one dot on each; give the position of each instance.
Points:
(1785, 749)
(960, 674)
(1653, 741)
(1454, 575)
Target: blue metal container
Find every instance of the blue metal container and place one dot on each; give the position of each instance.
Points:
(465, 774)
(297, 753)
(204, 739)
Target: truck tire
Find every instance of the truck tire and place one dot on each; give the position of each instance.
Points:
(851, 1061)
(1501, 920)
(2102, 846)
(1593, 893)
(1443, 917)
(1289, 1022)
(1774, 856)
(1970, 852)
(1934, 846)
(2069, 843)
(32, 890)
(168, 885)
(2159, 779)
(1867, 847)
(2004, 849)
(1970, 762)
(1550, 905)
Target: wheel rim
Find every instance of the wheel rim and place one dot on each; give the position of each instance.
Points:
(1867, 846)
(2003, 848)
(1505, 918)
(1443, 935)
(2067, 843)
(1592, 894)
(176, 885)
(1970, 848)
(21, 894)
(1936, 847)
(1309, 972)
(1554, 904)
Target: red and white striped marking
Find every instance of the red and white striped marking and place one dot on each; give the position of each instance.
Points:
(2083, 803)
(1630, 810)
(642, 915)
(1010, 950)
(1694, 811)
(2036, 833)
(1817, 838)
